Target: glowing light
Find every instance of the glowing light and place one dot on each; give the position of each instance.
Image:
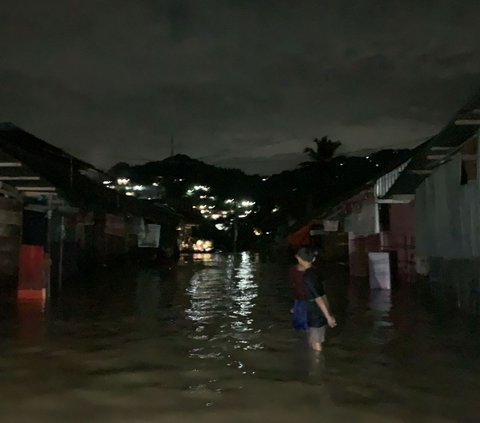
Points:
(229, 201)
(203, 188)
(203, 246)
(107, 182)
(275, 209)
(220, 226)
(246, 203)
(138, 187)
(257, 231)
(264, 179)
(130, 193)
(216, 216)
(123, 181)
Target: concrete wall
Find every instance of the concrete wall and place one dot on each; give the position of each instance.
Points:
(447, 225)
(447, 214)
(10, 240)
(454, 284)
(363, 220)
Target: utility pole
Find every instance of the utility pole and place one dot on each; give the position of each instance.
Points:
(171, 147)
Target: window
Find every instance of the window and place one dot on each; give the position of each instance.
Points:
(469, 161)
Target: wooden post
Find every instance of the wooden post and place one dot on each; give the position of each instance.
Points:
(60, 258)
(49, 245)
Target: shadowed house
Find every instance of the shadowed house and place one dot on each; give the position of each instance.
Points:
(443, 181)
(61, 215)
(372, 225)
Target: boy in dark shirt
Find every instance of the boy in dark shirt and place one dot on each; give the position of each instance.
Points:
(318, 311)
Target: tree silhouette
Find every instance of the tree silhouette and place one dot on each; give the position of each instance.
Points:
(323, 153)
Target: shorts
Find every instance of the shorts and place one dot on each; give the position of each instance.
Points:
(316, 335)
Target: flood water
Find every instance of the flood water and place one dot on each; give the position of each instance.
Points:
(211, 341)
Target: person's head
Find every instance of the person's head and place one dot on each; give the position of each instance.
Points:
(305, 256)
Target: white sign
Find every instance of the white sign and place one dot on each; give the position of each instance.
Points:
(330, 225)
(379, 270)
(151, 238)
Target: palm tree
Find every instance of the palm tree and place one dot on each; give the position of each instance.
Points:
(323, 153)
(319, 167)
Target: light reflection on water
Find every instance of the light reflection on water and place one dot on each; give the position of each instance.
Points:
(211, 341)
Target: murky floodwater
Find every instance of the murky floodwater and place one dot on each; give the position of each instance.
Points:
(210, 341)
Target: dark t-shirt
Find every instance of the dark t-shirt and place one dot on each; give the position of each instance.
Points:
(313, 289)
(296, 280)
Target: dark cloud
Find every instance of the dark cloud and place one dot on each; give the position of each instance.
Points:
(236, 82)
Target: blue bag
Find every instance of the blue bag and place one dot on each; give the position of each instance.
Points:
(299, 319)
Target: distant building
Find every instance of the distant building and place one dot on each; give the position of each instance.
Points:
(373, 226)
(57, 214)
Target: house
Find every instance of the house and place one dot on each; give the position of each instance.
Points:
(372, 225)
(442, 180)
(58, 215)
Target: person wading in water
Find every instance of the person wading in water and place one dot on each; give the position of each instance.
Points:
(318, 311)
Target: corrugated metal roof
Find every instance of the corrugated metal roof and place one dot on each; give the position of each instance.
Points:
(438, 150)
(32, 165)
(335, 205)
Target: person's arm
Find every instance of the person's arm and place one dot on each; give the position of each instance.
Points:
(316, 290)
(323, 305)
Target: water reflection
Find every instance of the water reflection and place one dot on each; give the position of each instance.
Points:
(243, 292)
(222, 300)
(31, 321)
(380, 306)
(211, 341)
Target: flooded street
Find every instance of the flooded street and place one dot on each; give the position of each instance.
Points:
(211, 341)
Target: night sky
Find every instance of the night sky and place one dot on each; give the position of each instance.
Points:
(237, 83)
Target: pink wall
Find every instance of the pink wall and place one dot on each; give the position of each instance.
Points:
(358, 249)
(400, 239)
(401, 235)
